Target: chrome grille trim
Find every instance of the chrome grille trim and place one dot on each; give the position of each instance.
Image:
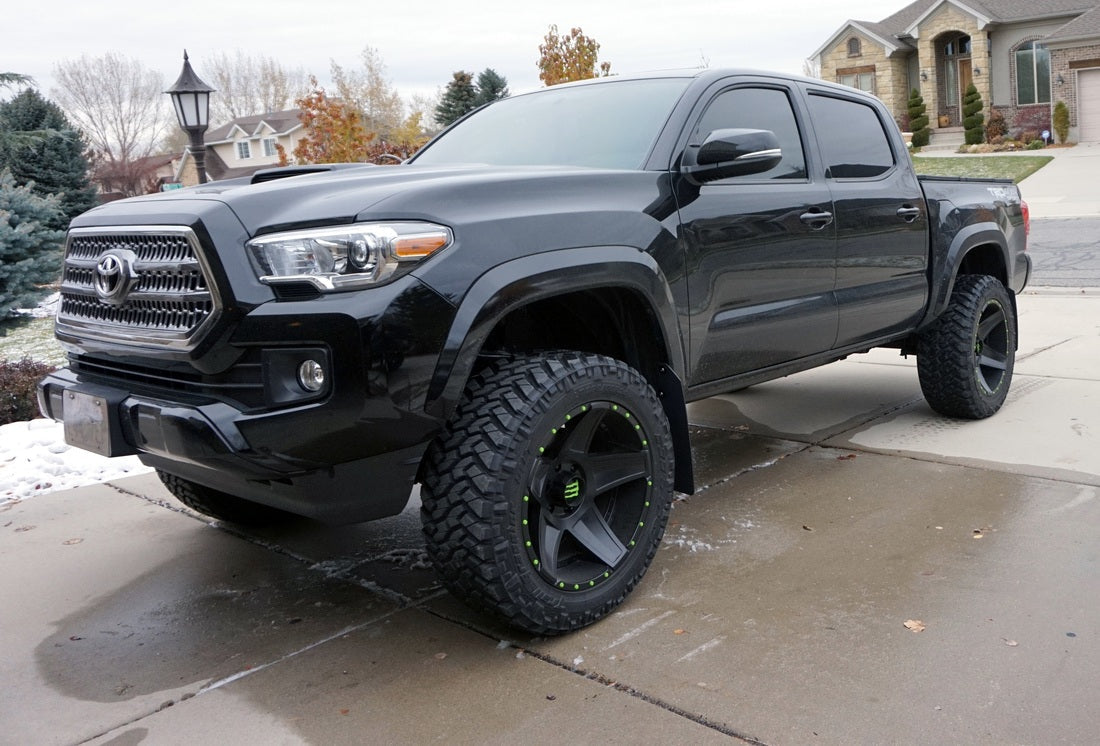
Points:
(173, 302)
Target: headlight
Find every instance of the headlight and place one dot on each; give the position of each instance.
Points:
(344, 257)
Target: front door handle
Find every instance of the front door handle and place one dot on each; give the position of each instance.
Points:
(816, 219)
(908, 213)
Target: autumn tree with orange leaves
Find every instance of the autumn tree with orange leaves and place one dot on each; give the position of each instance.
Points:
(334, 130)
(567, 57)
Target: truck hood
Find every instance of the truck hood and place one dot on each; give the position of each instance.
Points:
(408, 192)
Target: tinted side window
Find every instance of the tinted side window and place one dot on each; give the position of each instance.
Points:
(853, 142)
(761, 109)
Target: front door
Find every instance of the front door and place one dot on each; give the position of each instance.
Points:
(966, 77)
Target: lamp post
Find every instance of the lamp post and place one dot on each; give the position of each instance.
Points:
(191, 98)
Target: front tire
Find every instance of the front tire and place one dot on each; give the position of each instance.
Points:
(965, 360)
(547, 495)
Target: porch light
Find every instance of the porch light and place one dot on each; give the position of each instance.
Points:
(977, 71)
(191, 99)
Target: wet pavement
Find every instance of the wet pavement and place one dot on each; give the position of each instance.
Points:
(853, 569)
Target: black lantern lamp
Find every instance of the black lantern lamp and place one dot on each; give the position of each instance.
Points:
(191, 98)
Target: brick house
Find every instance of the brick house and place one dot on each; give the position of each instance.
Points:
(1023, 56)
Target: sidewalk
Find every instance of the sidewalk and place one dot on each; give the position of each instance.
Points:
(1068, 186)
(833, 508)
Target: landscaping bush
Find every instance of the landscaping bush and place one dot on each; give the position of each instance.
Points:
(918, 120)
(996, 128)
(973, 119)
(19, 382)
(1030, 122)
(1061, 121)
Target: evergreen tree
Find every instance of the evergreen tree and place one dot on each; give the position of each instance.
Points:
(1061, 121)
(973, 119)
(459, 99)
(491, 86)
(918, 120)
(53, 161)
(30, 251)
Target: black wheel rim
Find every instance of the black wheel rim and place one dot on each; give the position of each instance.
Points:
(588, 496)
(991, 348)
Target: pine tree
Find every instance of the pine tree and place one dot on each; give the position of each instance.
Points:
(53, 160)
(973, 119)
(459, 99)
(918, 120)
(30, 251)
(491, 86)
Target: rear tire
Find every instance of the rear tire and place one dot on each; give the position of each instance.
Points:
(546, 497)
(965, 360)
(221, 505)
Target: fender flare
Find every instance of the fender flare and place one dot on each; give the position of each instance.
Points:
(967, 239)
(519, 282)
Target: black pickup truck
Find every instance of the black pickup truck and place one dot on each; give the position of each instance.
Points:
(516, 317)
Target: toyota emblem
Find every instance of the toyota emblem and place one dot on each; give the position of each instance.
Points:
(114, 277)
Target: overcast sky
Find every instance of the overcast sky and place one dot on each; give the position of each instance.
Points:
(423, 41)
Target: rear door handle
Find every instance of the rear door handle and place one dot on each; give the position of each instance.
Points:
(816, 219)
(908, 213)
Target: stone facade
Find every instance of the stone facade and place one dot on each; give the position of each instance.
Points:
(891, 75)
(944, 25)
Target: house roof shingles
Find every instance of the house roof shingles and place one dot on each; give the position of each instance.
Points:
(280, 121)
(1085, 25)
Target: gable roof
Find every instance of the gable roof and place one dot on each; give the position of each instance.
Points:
(279, 122)
(1082, 27)
(897, 30)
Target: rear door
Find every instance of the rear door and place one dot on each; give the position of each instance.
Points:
(760, 249)
(881, 219)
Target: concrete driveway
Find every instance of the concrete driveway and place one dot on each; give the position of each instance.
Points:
(834, 510)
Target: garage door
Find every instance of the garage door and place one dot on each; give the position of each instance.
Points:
(1088, 98)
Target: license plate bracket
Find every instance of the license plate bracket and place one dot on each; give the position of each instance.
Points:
(88, 422)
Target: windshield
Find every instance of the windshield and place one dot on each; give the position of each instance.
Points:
(610, 125)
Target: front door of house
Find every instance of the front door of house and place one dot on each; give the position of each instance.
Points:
(966, 77)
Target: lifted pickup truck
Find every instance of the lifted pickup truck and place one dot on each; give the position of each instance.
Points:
(517, 316)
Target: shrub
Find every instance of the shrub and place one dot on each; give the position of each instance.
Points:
(973, 118)
(918, 119)
(1029, 122)
(1061, 121)
(996, 127)
(19, 383)
(1036, 145)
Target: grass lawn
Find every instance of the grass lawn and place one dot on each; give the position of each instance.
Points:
(1015, 167)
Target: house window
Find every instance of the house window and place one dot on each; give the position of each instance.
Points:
(864, 81)
(244, 150)
(1032, 74)
(855, 48)
(269, 147)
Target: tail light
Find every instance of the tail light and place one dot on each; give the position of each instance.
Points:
(1027, 217)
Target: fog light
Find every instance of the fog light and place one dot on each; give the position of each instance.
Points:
(311, 376)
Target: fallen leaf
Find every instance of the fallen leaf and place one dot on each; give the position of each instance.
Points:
(551, 697)
(806, 528)
(677, 631)
(978, 534)
(440, 656)
(21, 529)
(71, 542)
(345, 712)
(1010, 643)
(915, 625)
(848, 457)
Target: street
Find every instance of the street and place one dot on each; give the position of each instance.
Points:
(1066, 252)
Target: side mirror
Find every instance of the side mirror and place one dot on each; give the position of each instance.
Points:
(731, 152)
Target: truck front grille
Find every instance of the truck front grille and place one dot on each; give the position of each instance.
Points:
(143, 286)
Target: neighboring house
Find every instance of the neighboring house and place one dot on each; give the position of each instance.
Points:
(246, 145)
(1022, 56)
(143, 176)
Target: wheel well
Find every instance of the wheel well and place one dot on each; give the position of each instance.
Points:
(607, 321)
(985, 260)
